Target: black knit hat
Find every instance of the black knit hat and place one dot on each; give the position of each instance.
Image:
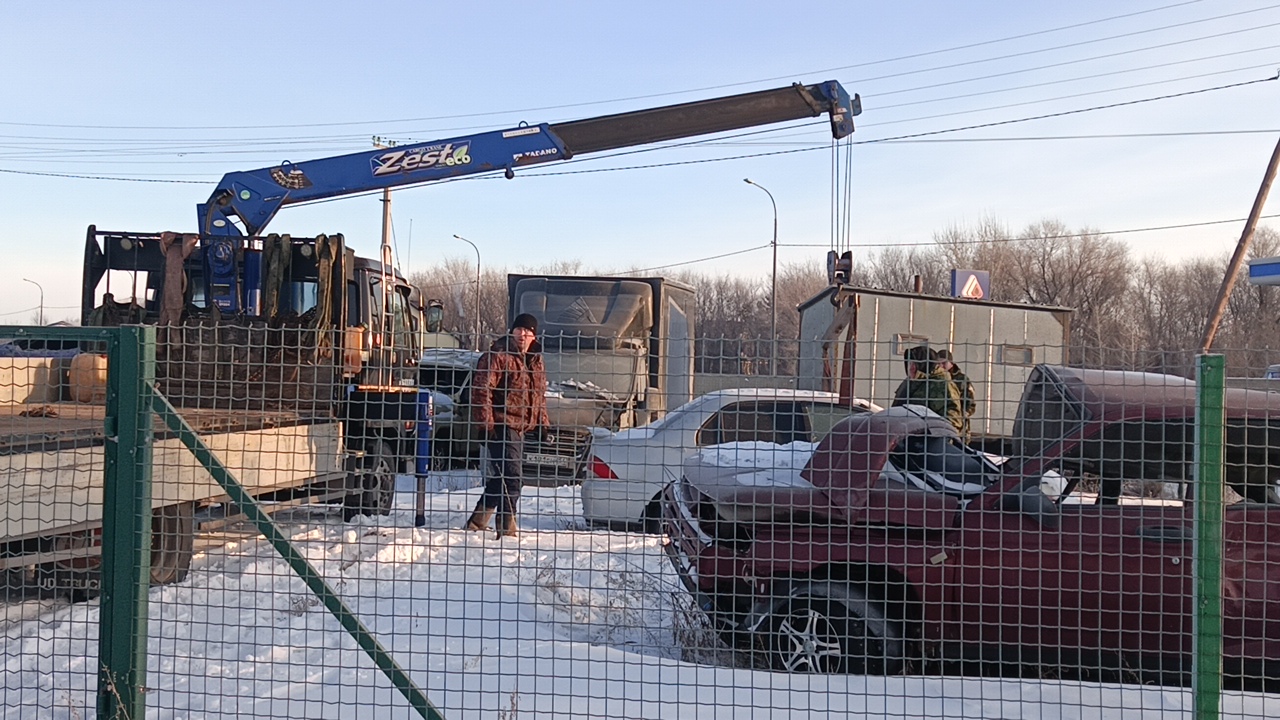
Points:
(527, 321)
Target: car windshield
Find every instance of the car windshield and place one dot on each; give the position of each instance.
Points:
(939, 464)
(446, 379)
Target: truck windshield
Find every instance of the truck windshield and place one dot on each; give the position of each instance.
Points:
(298, 297)
(618, 371)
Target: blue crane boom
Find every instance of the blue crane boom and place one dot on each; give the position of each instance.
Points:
(254, 197)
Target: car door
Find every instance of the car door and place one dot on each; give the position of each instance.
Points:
(1089, 578)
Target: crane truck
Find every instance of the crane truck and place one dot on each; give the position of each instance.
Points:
(295, 344)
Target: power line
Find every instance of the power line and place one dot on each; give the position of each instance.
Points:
(46, 157)
(1006, 106)
(1079, 44)
(36, 308)
(1094, 136)
(102, 177)
(777, 132)
(898, 137)
(629, 272)
(692, 262)
(716, 87)
(931, 243)
(707, 160)
(1094, 233)
(1095, 76)
(1102, 136)
(233, 147)
(1065, 113)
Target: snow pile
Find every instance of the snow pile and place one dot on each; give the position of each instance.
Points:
(757, 454)
(581, 388)
(720, 469)
(558, 623)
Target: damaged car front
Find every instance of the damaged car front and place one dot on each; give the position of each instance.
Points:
(813, 566)
(902, 545)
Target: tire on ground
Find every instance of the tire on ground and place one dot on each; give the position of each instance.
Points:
(375, 483)
(831, 627)
(173, 532)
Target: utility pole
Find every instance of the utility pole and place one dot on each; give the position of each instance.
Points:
(1242, 247)
(773, 292)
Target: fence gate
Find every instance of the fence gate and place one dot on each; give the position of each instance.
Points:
(195, 526)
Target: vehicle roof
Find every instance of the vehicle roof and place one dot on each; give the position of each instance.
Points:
(825, 296)
(1116, 394)
(771, 393)
(450, 356)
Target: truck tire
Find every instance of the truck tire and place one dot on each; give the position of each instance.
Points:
(375, 484)
(173, 535)
(173, 532)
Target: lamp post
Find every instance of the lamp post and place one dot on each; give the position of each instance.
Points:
(476, 340)
(33, 282)
(773, 291)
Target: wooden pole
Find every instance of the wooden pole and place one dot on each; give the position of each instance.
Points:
(1242, 247)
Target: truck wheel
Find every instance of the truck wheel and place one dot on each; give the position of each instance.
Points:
(383, 470)
(828, 628)
(442, 453)
(173, 534)
(375, 484)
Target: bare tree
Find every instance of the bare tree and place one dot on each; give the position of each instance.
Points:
(988, 246)
(895, 268)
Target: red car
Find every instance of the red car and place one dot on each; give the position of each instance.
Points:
(906, 545)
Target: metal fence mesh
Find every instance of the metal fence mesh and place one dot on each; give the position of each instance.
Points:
(785, 530)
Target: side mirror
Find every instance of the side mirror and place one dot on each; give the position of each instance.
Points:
(435, 319)
(1030, 500)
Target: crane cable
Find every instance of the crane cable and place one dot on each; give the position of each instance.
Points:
(841, 195)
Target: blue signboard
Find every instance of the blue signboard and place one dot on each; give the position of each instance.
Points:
(971, 284)
(1265, 271)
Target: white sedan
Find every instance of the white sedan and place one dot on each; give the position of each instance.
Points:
(627, 471)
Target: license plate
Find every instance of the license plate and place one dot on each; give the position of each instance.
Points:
(560, 461)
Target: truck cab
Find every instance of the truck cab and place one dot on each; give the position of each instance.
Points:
(327, 334)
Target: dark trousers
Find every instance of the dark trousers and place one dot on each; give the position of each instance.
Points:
(504, 477)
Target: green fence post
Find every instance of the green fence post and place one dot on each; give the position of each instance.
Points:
(1206, 681)
(126, 525)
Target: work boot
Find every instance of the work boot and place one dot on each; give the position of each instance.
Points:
(479, 519)
(506, 526)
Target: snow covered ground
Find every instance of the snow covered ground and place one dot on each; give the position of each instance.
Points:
(561, 622)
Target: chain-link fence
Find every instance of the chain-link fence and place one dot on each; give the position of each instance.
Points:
(706, 528)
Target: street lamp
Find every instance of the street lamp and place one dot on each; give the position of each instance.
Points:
(476, 341)
(773, 292)
(33, 282)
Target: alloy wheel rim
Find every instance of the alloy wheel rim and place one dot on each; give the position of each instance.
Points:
(809, 643)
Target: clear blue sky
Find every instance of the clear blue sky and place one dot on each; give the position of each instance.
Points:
(185, 92)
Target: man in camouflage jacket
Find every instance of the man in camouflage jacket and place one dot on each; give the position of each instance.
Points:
(928, 384)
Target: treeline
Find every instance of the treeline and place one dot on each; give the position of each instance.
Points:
(1129, 312)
